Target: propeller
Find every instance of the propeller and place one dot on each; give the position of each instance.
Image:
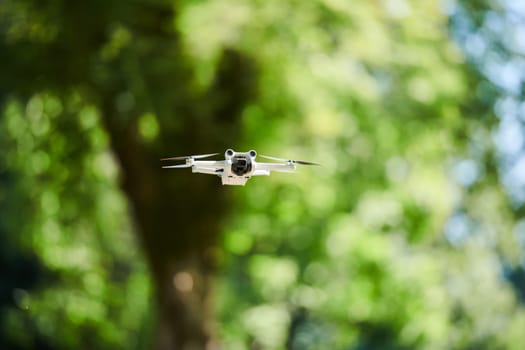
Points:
(199, 156)
(290, 160)
(177, 166)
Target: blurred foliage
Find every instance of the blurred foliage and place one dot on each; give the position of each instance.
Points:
(404, 238)
(396, 242)
(62, 205)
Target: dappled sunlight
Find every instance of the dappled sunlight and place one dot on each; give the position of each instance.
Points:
(267, 324)
(183, 282)
(273, 276)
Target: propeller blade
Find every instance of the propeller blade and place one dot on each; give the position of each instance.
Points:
(177, 166)
(198, 156)
(290, 160)
(274, 158)
(305, 162)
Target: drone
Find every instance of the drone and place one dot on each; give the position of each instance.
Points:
(237, 167)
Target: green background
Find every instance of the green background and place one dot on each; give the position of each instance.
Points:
(411, 234)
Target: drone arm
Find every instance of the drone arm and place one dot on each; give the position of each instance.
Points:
(261, 172)
(212, 164)
(214, 167)
(278, 167)
(204, 170)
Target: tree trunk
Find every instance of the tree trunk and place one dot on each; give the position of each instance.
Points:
(184, 320)
(178, 214)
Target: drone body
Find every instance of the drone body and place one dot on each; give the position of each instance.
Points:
(237, 167)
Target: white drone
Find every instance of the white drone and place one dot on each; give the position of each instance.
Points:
(237, 167)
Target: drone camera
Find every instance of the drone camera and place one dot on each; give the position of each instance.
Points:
(229, 153)
(241, 164)
(253, 154)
